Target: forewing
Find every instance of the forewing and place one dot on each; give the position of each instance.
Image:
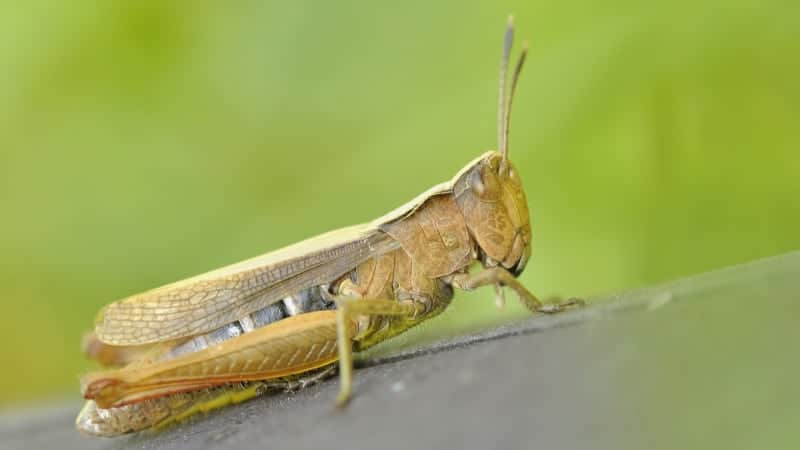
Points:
(205, 302)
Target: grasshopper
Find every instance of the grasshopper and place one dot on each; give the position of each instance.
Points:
(290, 317)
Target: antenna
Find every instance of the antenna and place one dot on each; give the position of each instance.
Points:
(517, 70)
(501, 107)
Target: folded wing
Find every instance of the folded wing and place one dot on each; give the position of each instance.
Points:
(209, 301)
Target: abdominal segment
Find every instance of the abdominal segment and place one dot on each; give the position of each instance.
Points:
(308, 300)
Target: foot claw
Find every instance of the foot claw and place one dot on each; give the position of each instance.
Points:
(574, 301)
(342, 400)
(552, 308)
(549, 308)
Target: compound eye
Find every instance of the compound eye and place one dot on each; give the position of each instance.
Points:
(484, 183)
(476, 182)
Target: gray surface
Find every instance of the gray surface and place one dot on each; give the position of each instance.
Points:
(584, 379)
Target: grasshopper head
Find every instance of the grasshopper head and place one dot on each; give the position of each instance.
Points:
(492, 201)
(489, 191)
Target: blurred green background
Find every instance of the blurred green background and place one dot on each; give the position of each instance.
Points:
(145, 141)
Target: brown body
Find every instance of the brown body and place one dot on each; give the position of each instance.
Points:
(430, 247)
(299, 311)
(440, 239)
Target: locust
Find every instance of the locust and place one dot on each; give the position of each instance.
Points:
(292, 317)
